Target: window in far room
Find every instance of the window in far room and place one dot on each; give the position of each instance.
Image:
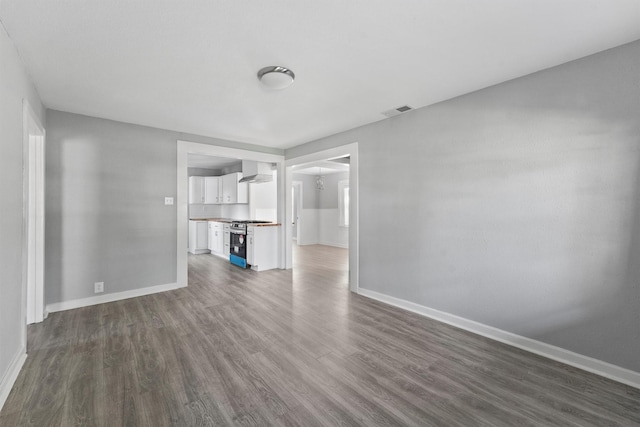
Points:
(343, 203)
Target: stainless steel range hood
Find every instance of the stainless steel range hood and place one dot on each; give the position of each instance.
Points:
(256, 172)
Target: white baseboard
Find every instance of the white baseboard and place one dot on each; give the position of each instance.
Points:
(11, 375)
(335, 244)
(117, 296)
(559, 354)
(223, 256)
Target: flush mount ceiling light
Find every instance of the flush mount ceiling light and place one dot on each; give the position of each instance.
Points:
(275, 77)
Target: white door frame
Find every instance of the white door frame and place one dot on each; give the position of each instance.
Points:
(298, 202)
(350, 150)
(33, 216)
(182, 196)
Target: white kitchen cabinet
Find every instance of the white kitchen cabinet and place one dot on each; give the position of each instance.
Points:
(262, 247)
(216, 238)
(196, 189)
(198, 237)
(232, 190)
(212, 189)
(226, 231)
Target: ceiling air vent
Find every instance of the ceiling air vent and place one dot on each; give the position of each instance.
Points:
(396, 111)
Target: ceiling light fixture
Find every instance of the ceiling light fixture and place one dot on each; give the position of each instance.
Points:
(320, 180)
(276, 77)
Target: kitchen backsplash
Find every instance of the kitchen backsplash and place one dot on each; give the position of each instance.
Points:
(239, 211)
(205, 211)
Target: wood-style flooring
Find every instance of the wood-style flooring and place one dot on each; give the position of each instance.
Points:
(239, 347)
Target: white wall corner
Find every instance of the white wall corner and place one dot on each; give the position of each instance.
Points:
(11, 375)
(589, 364)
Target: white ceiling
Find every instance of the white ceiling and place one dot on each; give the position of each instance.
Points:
(325, 167)
(191, 66)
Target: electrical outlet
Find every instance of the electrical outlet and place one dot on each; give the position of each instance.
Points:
(168, 200)
(98, 287)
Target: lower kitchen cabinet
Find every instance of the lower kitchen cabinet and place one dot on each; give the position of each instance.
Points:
(226, 231)
(198, 237)
(216, 238)
(262, 247)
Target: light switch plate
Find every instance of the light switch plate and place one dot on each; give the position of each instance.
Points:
(168, 200)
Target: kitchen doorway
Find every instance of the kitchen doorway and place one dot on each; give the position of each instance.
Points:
(317, 166)
(186, 148)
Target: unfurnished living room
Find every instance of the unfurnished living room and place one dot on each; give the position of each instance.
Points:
(296, 213)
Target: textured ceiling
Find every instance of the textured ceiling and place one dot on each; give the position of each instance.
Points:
(191, 66)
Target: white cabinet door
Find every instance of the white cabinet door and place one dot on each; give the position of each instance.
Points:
(196, 189)
(212, 187)
(226, 248)
(232, 190)
(210, 230)
(216, 238)
(262, 247)
(198, 237)
(251, 259)
(229, 188)
(202, 238)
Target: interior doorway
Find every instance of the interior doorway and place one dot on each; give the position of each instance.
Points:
(33, 230)
(187, 148)
(347, 156)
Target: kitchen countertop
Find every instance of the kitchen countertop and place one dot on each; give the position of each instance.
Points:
(229, 221)
(226, 220)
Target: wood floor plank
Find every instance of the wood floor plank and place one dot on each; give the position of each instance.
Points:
(290, 348)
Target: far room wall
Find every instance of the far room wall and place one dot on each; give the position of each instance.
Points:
(320, 214)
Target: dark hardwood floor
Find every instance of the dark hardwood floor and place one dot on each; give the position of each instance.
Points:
(290, 348)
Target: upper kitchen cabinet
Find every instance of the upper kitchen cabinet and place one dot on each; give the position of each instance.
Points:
(232, 190)
(212, 189)
(196, 189)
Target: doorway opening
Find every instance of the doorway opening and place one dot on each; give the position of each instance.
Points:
(322, 209)
(33, 229)
(185, 209)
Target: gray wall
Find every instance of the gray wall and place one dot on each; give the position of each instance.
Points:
(523, 205)
(328, 198)
(312, 198)
(203, 172)
(105, 218)
(14, 87)
(309, 191)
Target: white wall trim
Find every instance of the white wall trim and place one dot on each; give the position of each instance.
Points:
(116, 296)
(577, 360)
(334, 244)
(33, 187)
(9, 378)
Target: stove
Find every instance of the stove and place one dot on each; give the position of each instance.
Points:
(240, 227)
(238, 241)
